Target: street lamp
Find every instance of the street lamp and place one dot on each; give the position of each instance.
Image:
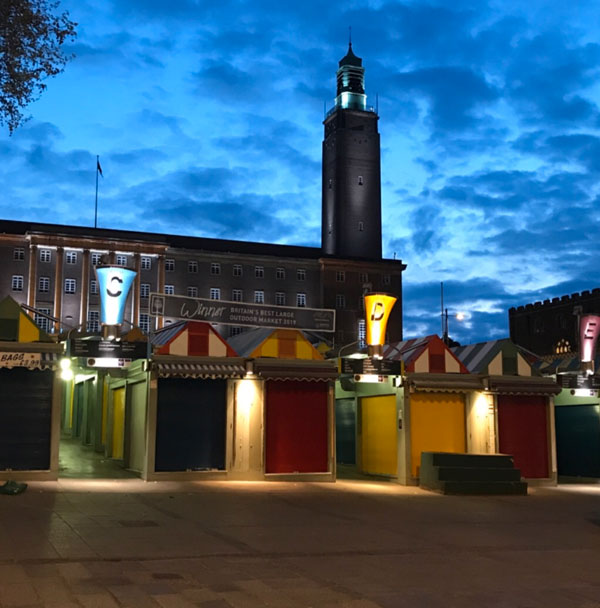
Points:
(459, 316)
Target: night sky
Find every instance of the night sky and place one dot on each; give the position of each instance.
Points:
(207, 117)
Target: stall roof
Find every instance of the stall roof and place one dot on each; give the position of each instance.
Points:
(191, 338)
(277, 343)
(199, 367)
(17, 326)
(501, 357)
(428, 354)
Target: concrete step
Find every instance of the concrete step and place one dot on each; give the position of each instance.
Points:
(450, 459)
(472, 488)
(478, 474)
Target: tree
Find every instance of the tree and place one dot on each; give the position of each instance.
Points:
(31, 36)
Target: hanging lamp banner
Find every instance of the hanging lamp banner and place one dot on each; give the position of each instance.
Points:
(589, 329)
(378, 307)
(114, 283)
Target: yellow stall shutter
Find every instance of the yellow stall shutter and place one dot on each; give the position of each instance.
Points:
(118, 428)
(437, 424)
(379, 438)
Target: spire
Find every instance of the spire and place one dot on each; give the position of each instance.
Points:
(351, 81)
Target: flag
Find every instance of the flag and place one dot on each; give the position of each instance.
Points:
(99, 168)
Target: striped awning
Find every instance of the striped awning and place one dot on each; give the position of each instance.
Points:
(182, 369)
(453, 383)
(522, 385)
(278, 369)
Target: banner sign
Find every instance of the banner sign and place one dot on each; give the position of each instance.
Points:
(98, 349)
(114, 283)
(589, 328)
(378, 307)
(371, 366)
(242, 313)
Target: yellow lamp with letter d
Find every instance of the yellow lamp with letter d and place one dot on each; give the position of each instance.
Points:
(378, 307)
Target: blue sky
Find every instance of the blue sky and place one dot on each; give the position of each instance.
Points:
(207, 119)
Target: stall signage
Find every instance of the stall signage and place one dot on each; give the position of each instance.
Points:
(20, 359)
(112, 349)
(242, 313)
(371, 366)
(114, 283)
(378, 307)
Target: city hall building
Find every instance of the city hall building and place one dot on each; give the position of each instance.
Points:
(50, 268)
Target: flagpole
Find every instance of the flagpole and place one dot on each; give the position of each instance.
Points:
(96, 206)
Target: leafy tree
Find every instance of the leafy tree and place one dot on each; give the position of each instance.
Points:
(31, 35)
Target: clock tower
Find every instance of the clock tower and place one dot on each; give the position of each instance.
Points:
(351, 195)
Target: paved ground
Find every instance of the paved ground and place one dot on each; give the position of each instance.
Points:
(355, 544)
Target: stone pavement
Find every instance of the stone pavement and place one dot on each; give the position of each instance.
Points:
(354, 544)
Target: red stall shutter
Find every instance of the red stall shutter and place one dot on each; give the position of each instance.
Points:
(296, 421)
(523, 432)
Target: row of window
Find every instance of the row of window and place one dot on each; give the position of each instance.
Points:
(215, 267)
(70, 287)
(237, 295)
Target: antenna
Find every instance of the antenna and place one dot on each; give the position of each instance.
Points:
(350, 35)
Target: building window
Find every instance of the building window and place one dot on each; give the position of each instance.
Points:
(280, 273)
(215, 268)
(94, 287)
(563, 346)
(364, 278)
(360, 180)
(340, 276)
(330, 184)
(169, 265)
(42, 321)
(387, 279)
(70, 285)
(44, 285)
(361, 226)
(192, 292)
(340, 300)
(121, 260)
(96, 258)
(18, 253)
(145, 322)
(362, 333)
(170, 290)
(17, 282)
(146, 263)
(45, 255)
(93, 323)
(71, 257)
(237, 270)
(259, 272)
(259, 296)
(280, 298)
(144, 290)
(235, 331)
(192, 266)
(215, 293)
(301, 274)
(236, 295)
(301, 300)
